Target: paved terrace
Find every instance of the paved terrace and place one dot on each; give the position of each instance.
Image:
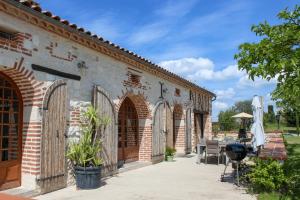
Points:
(274, 148)
(180, 180)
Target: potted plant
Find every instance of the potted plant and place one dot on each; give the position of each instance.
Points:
(170, 152)
(85, 153)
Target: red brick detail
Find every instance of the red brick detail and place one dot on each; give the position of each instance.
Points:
(31, 89)
(177, 92)
(134, 81)
(140, 103)
(69, 56)
(16, 43)
(31, 147)
(145, 132)
(32, 95)
(74, 117)
(145, 139)
(179, 132)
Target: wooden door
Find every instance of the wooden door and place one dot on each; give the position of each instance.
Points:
(53, 145)
(199, 127)
(188, 138)
(128, 139)
(109, 137)
(169, 127)
(158, 134)
(10, 134)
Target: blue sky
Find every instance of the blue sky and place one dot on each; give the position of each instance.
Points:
(193, 38)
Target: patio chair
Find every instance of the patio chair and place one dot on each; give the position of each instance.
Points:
(212, 148)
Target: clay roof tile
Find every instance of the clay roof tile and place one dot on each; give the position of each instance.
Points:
(66, 22)
(35, 6)
(56, 17)
(47, 13)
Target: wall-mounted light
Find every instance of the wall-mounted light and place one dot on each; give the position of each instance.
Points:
(82, 67)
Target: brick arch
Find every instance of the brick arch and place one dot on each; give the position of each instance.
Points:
(31, 89)
(140, 103)
(32, 94)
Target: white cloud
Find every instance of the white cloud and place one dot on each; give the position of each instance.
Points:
(200, 69)
(220, 105)
(105, 26)
(176, 9)
(225, 94)
(245, 82)
(149, 33)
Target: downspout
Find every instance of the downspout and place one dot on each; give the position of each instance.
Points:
(214, 98)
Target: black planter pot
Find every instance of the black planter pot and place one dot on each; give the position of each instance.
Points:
(88, 177)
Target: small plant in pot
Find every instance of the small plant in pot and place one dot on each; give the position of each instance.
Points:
(170, 152)
(85, 153)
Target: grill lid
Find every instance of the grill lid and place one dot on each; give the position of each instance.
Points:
(236, 151)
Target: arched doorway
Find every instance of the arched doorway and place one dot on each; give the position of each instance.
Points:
(11, 116)
(128, 139)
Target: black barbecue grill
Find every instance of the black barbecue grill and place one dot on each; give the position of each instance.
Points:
(236, 152)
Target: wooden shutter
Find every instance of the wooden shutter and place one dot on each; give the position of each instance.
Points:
(158, 134)
(109, 136)
(53, 145)
(169, 127)
(188, 138)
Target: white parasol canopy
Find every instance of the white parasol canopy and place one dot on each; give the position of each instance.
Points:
(257, 128)
(242, 115)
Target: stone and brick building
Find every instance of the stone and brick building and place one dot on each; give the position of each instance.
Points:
(50, 70)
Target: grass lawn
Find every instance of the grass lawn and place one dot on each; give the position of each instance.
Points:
(292, 145)
(269, 127)
(270, 196)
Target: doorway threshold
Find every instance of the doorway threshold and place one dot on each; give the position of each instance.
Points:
(133, 165)
(21, 191)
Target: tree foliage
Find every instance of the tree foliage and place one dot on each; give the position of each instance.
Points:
(276, 56)
(226, 122)
(243, 106)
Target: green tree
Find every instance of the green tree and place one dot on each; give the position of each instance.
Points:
(226, 122)
(271, 114)
(276, 56)
(243, 106)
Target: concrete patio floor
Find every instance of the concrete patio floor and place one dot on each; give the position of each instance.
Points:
(182, 179)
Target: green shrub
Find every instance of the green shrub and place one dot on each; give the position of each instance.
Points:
(266, 176)
(292, 170)
(170, 151)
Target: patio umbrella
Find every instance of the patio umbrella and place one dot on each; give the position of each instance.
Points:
(257, 129)
(243, 116)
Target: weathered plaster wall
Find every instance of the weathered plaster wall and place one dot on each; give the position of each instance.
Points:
(36, 46)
